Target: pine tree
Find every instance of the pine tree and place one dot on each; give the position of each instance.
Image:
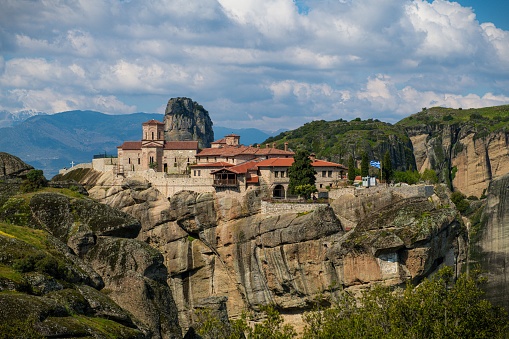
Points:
(364, 165)
(351, 168)
(387, 167)
(302, 175)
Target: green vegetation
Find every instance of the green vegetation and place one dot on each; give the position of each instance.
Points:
(302, 175)
(440, 307)
(409, 177)
(35, 180)
(364, 165)
(430, 176)
(488, 119)
(461, 202)
(338, 140)
(209, 326)
(351, 168)
(387, 167)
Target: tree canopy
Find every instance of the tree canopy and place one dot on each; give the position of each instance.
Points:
(302, 175)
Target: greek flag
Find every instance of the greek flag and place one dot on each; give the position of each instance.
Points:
(375, 163)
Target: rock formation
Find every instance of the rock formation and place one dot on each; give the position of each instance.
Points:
(185, 119)
(461, 156)
(74, 269)
(217, 244)
(11, 166)
(490, 242)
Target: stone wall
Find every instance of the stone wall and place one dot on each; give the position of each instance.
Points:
(171, 184)
(410, 191)
(287, 207)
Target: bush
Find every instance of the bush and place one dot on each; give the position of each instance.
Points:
(439, 308)
(35, 180)
(461, 202)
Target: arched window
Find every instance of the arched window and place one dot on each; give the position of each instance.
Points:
(279, 192)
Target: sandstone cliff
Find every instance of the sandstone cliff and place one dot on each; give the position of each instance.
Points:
(218, 244)
(185, 119)
(490, 242)
(467, 149)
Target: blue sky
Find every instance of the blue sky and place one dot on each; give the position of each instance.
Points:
(267, 64)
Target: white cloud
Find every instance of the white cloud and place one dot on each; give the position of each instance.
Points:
(251, 63)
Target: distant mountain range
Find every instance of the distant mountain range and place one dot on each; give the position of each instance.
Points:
(52, 142)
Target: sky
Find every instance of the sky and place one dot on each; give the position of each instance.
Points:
(267, 64)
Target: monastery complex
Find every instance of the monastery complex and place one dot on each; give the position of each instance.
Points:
(226, 165)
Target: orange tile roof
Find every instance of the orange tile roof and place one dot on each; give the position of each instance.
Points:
(181, 145)
(253, 180)
(276, 162)
(244, 167)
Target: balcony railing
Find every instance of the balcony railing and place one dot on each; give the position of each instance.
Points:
(225, 183)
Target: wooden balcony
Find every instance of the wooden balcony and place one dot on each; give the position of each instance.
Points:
(225, 183)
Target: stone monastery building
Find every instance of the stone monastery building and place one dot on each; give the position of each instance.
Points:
(226, 165)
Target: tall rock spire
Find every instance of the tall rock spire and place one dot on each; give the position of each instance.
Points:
(185, 119)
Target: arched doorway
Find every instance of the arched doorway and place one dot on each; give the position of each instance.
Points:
(279, 192)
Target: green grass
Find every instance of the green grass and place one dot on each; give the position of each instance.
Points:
(491, 118)
(8, 272)
(36, 238)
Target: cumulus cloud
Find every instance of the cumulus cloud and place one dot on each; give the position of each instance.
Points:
(271, 64)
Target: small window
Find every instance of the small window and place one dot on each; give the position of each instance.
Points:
(276, 174)
(129, 160)
(194, 172)
(152, 135)
(324, 173)
(139, 161)
(199, 173)
(282, 174)
(329, 174)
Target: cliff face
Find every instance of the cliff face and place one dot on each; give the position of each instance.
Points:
(217, 244)
(491, 243)
(187, 120)
(462, 156)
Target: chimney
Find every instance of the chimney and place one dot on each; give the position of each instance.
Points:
(258, 145)
(267, 145)
(312, 156)
(286, 146)
(273, 145)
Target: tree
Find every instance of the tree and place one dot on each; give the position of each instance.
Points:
(351, 168)
(301, 173)
(430, 176)
(35, 180)
(440, 307)
(387, 167)
(364, 165)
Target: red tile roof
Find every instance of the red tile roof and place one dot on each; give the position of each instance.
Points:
(181, 145)
(131, 145)
(178, 145)
(153, 122)
(219, 164)
(287, 162)
(231, 151)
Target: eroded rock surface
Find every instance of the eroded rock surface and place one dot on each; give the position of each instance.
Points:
(491, 242)
(219, 244)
